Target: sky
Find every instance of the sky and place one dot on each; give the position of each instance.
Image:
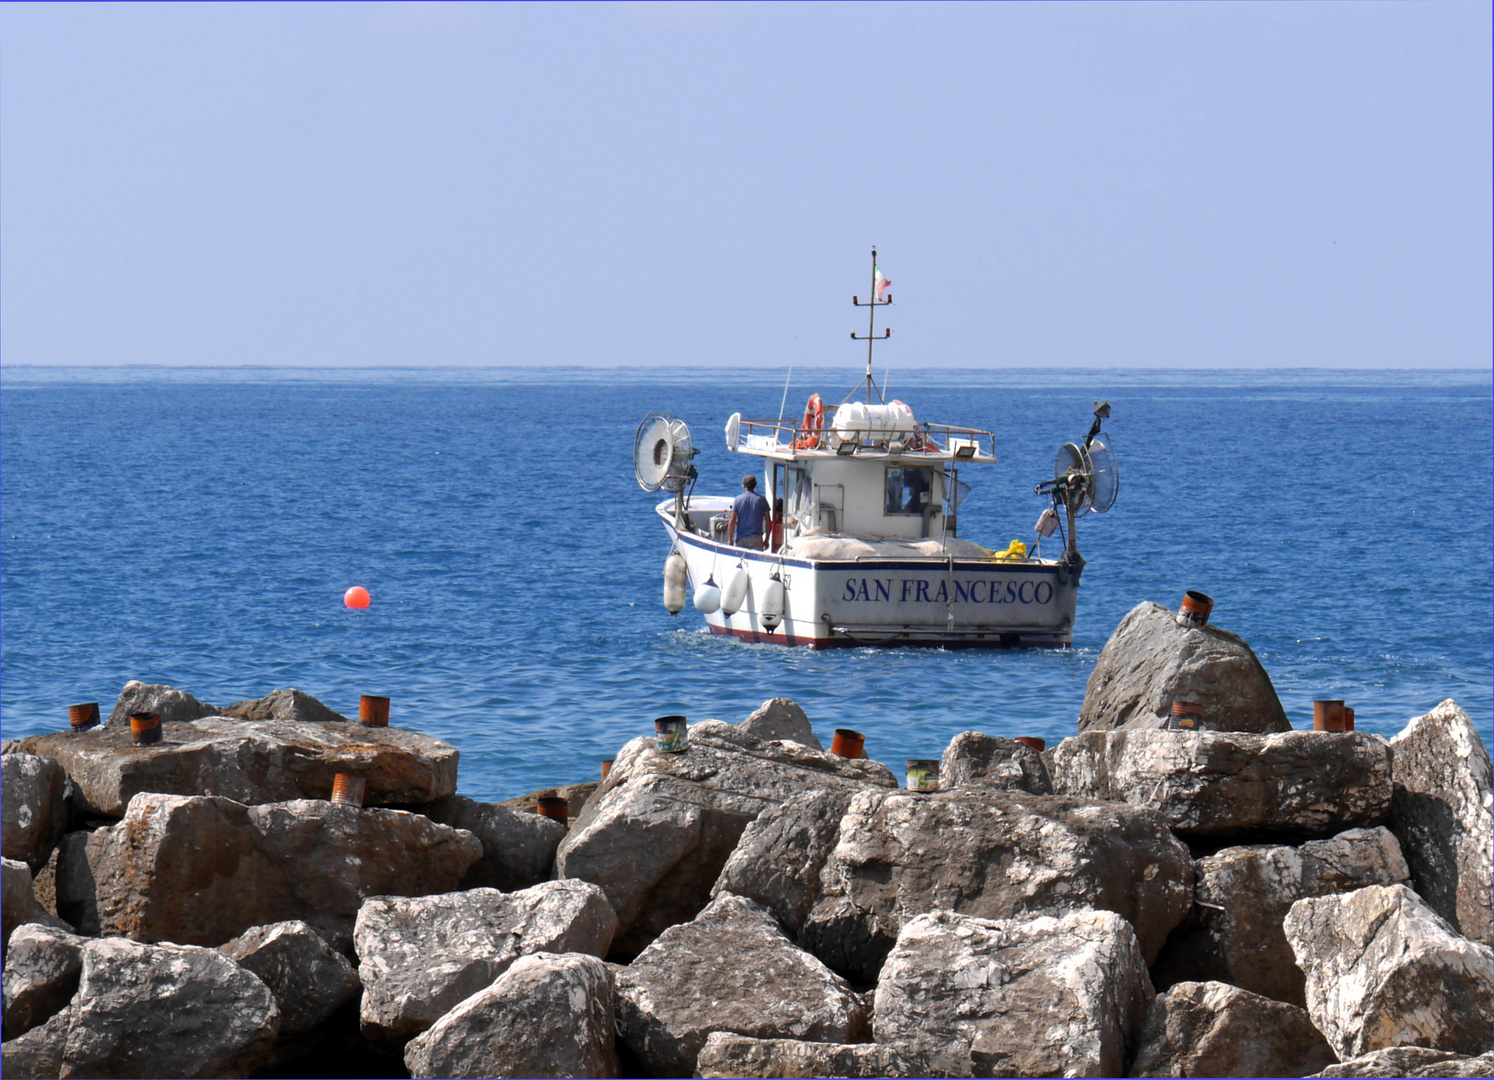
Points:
(1188, 185)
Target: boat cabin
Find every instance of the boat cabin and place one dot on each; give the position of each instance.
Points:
(867, 471)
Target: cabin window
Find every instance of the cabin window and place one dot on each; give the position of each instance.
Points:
(908, 489)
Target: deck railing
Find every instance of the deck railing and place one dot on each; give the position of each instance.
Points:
(925, 436)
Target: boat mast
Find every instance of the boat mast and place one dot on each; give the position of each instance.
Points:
(870, 337)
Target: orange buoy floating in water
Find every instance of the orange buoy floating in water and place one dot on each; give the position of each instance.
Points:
(356, 597)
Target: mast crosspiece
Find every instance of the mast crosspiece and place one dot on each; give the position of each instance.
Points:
(870, 337)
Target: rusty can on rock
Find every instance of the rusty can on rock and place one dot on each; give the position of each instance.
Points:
(348, 790)
(145, 728)
(554, 808)
(1195, 610)
(373, 711)
(1329, 714)
(848, 743)
(83, 717)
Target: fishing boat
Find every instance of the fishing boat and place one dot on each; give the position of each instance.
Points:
(862, 545)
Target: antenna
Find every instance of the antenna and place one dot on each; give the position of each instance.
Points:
(879, 286)
(788, 379)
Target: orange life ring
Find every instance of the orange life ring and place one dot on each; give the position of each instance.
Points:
(814, 423)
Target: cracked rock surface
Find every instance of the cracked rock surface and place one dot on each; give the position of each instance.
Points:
(973, 758)
(547, 1015)
(152, 1010)
(249, 761)
(1234, 933)
(419, 957)
(33, 808)
(1213, 1029)
(308, 979)
(729, 969)
(1150, 662)
(992, 854)
(1298, 784)
(726, 1055)
(657, 833)
(201, 870)
(1412, 1061)
(1383, 969)
(1015, 997)
(1441, 811)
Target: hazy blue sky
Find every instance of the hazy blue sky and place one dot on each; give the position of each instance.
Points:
(1196, 185)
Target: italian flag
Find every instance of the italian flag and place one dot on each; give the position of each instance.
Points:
(882, 283)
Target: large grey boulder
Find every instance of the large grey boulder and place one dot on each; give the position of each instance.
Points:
(972, 758)
(547, 1015)
(174, 706)
(656, 835)
(1383, 969)
(308, 979)
(780, 718)
(1015, 997)
(518, 849)
(778, 860)
(993, 854)
(1234, 932)
(287, 704)
(726, 1055)
(1213, 1029)
(1298, 784)
(42, 969)
(419, 957)
(19, 902)
(200, 870)
(1441, 811)
(1150, 661)
(33, 807)
(730, 969)
(152, 1010)
(1412, 1061)
(250, 762)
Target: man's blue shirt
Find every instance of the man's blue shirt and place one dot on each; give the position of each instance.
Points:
(750, 508)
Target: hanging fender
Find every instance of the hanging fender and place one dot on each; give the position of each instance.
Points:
(736, 592)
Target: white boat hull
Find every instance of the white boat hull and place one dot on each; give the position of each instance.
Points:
(887, 601)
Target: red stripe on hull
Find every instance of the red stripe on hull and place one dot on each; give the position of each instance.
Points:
(759, 638)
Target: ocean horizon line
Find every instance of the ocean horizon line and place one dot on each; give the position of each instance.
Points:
(17, 376)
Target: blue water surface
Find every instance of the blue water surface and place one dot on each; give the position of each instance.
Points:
(199, 528)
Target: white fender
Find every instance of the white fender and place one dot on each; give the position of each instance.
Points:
(736, 593)
(674, 583)
(708, 597)
(770, 613)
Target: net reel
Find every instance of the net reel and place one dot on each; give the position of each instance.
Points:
(663, 457)
(1086, 478)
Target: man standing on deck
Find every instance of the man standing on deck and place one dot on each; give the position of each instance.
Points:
(749, 513)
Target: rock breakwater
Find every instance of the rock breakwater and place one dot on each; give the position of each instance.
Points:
(1237, 899)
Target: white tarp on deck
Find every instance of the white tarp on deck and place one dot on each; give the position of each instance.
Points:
(818, 545)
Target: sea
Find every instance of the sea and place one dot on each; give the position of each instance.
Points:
(199, 527)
